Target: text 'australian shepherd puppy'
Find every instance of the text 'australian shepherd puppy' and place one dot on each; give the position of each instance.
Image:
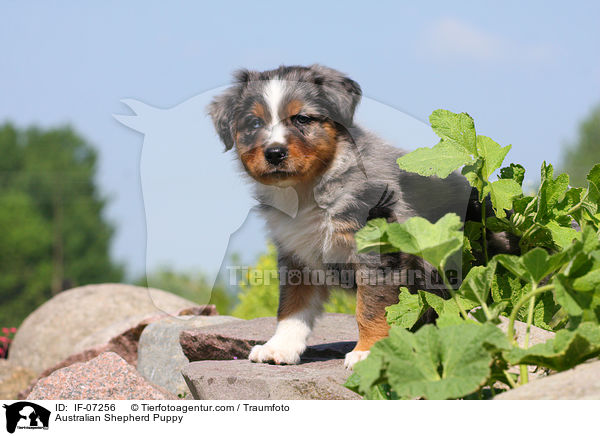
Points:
(293, 131)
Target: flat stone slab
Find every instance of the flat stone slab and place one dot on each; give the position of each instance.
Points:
(159, 355)
(245, 380)
(106, 377)
(334, 335)
(580, 383)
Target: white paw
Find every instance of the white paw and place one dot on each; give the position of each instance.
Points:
(355, 356)
(280, 355)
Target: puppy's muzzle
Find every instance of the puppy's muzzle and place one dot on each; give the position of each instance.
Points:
(276, 155)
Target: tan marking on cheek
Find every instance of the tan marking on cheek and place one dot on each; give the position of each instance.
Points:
(252, 159)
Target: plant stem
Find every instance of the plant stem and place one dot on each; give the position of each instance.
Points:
(529, 319)
(513, 315)
(463, 312)
(509, 379)
(484, 232)
(524, 373)
(578, 205)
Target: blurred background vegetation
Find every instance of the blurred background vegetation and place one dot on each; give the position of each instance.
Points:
(53, 235)
(52, 232)
(584, 152)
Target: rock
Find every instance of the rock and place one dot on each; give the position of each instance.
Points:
(124, 344)
(204, 310)
(244, 380)
(334, 335)
(13, 379)
(221, 371)
(59, 328)
(106, 377)
(536, 334)
(160, 358)
(580, 383)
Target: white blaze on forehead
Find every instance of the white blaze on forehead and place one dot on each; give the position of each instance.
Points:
(274, 93)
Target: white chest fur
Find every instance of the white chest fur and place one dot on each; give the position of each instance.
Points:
(308, 235)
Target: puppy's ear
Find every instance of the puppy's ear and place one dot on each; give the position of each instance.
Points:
(343, 93)
(223, 109)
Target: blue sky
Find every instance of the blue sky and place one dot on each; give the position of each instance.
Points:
(528, 72)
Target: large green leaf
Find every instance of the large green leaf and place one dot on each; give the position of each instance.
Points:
(566, 350)
(447, 307)
(478, 283)
(433, 363)
(581, 305)
(534, 265)
(456, 148)
(440, 160)
(492, 153)
(433, 242)
(455, 129)
(502, 193)
(550, 192)
(407, 311)
(562, 235)
(373, 237)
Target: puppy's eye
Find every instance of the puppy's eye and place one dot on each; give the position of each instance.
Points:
(301, 119)
(254, 123)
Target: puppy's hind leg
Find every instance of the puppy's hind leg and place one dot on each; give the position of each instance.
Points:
(299, 306)
(371, 301)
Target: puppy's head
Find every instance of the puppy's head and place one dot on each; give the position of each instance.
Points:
(285, 123)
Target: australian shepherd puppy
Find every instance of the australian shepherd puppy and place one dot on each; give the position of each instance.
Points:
(293, 131)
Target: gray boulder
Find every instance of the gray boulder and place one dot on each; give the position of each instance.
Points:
(580, 383)
(244, 380)
(160, 358)
(59, 327)
(13, 379)
(536, 334)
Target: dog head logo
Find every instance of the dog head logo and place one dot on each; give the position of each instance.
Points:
(26, 415)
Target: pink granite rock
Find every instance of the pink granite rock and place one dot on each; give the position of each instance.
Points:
(106, 377)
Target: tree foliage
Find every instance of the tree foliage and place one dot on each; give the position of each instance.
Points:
(52, 232)
(581, 155)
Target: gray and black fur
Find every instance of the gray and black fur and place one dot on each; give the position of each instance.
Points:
(359, 180)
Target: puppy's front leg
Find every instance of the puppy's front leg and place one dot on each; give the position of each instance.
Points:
(299, 305)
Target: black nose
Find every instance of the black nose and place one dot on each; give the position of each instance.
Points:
(276, 155)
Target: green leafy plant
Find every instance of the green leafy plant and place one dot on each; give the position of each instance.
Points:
(554, 283)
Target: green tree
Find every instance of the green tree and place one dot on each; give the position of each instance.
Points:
(581, 155)
(54, 234)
